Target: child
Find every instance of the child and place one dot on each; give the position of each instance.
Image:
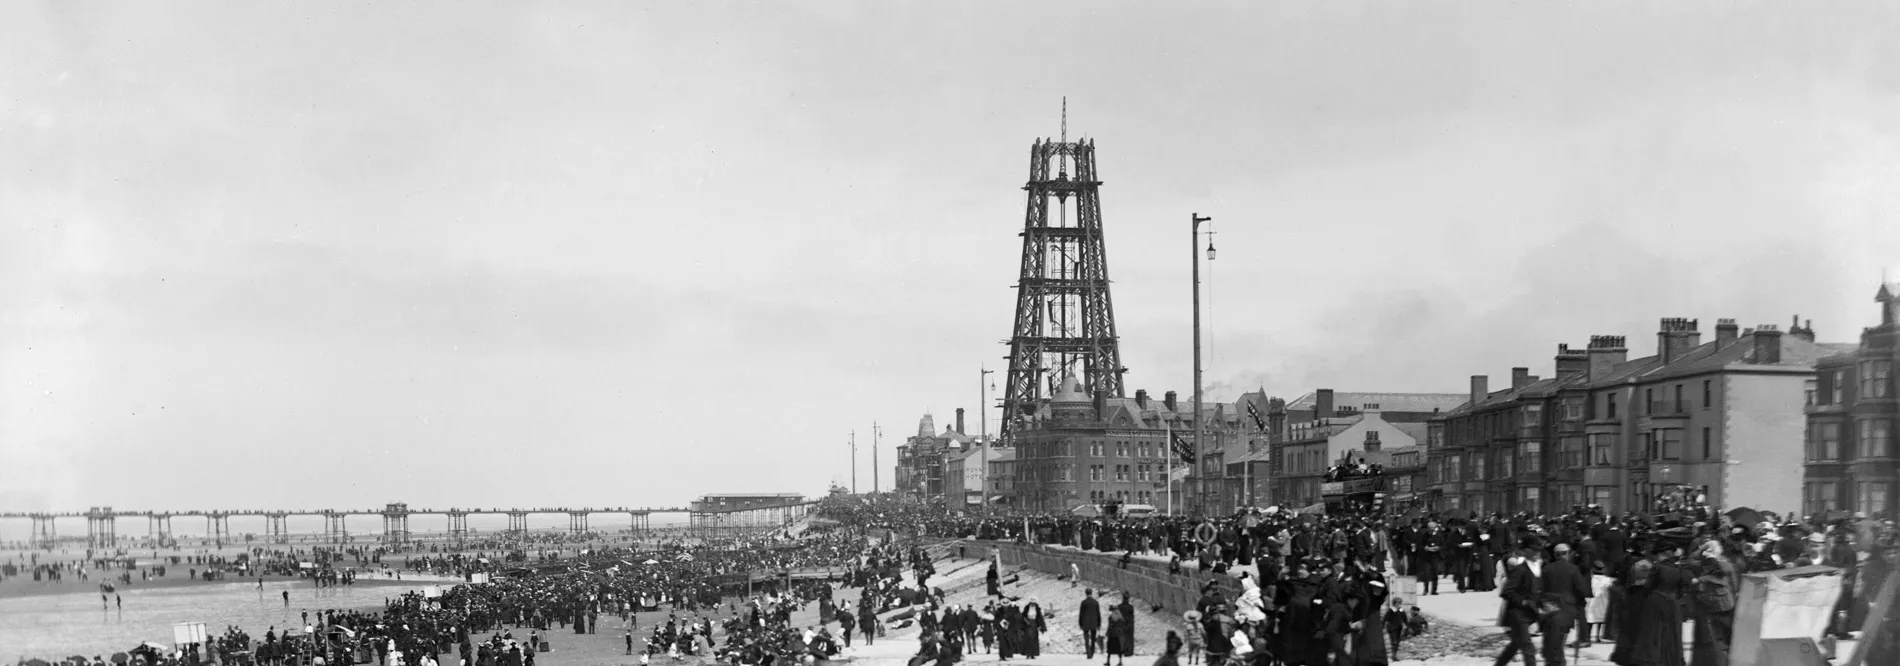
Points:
(1196, 637)
(1415, 624)
(1395, 625)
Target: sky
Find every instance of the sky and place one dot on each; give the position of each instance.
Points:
(301, 255)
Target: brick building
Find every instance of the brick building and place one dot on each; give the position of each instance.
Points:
(1323, 428)
(1850, 462)
(1078, 449)
(1620, 433)
(922, 460)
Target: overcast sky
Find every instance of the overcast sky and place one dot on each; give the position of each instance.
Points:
(334, 254)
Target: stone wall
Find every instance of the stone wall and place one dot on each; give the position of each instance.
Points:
(1147, 580)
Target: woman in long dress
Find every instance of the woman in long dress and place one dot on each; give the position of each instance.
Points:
(1657, 625)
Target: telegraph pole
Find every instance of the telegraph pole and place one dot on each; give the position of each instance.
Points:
(874, 465)
(854, 462)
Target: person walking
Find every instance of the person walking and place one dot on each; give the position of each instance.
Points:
(1565, 589)
(1519, 611)
(1714, 605)
(1089, 619)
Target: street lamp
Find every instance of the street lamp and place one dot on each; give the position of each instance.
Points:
(1194, 245)
(982, 442)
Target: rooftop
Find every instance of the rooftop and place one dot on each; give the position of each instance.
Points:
(1387, 402)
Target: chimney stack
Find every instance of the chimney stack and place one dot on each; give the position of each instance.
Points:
(1767, 344)
(1606, 352)
(1323, 404)
(1372, 441)
(960, 421)
(1141, 398)
(1480, 387)
(1521, 377)
(1572, 363)
(1168, 400)
(1724, 332)
(1805, 332)
(1675, 336)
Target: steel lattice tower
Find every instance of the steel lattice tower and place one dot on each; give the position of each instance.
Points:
(1065, 322)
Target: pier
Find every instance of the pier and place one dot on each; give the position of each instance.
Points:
(102, 521)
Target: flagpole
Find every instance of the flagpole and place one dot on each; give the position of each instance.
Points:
(1167, 447)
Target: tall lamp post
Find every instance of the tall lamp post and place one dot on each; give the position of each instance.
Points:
(1200, 492)
(983, 440)
(854, 462)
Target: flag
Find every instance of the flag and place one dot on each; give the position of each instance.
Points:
(1253, 410)
(1183, 448)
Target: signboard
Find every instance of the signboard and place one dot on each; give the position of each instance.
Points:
(431, 592)
(478, 578)
(1332, 488)
(1405, 589)
(185, 633)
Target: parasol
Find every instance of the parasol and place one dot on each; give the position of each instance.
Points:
(1745, 516)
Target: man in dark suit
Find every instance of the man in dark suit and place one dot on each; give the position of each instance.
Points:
(1521, 599)
(1090, 620)
(1431, 546)
(1565, 589)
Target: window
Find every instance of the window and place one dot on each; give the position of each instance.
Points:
(1875, 379)
(1649, 400)
(1121, 472)
(1454, 469)
(1530, 499)
(1121, 449)
(1840, 383)
(1876, 497)
(1573, 409)
(1609, 405)
(1876, 438)
(1708, 447)
(1533, 415)
(1095, 472)
(1602, 447)
(1708, 393)
(1810, 388)
(1669, 443)
(1095, 449)
(1603, 496)
(1680, 406)
(1818, 497)
(1142, 473)
(1503, 463)
(1828, 444)
(1530, 457)
(1570, 454)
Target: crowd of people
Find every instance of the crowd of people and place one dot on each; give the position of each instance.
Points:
(1309, 590)
(1633, 580)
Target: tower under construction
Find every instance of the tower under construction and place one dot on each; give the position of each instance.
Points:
(1065, 321)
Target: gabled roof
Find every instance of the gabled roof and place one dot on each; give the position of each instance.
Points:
(1387, 402)
(1416, 431)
